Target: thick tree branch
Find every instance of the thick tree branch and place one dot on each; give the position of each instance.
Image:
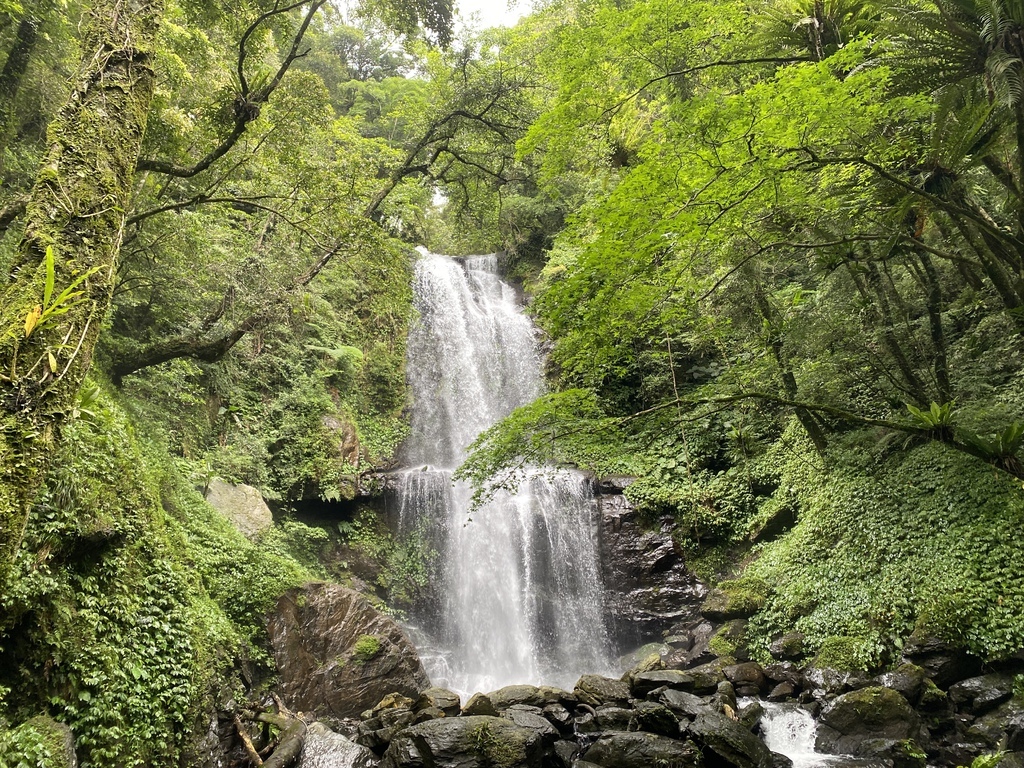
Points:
(247, 103)
(209, 349)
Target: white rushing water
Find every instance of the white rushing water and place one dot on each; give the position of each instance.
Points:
(790, 730)
(520, 598)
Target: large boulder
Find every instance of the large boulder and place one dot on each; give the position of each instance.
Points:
(647, 584)
(324, 748)
(977, 695)
(867, 722)
(595, 690)
(730, 741)
(944, 663)
(641, 750)
(465, 742)
(337, 655)
(242, 505)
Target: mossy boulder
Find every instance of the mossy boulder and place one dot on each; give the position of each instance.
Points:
(640, 750)
(733, 600)
(596, 690)
(858, 722)
(465, 742)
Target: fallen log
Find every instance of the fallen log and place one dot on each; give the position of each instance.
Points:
(293, 737)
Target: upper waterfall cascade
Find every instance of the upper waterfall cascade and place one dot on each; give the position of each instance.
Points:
(520, 598)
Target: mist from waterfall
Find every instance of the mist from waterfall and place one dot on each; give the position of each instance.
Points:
(520, 598)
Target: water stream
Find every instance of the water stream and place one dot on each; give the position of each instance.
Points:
(791, 730)
(520, 598)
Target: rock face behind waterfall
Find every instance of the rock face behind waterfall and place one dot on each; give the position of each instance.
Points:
(337, 655)
(647, 585)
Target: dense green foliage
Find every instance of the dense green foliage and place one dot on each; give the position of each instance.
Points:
(778, 248)
(791, 290)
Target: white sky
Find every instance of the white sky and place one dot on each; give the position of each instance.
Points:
(493, 12)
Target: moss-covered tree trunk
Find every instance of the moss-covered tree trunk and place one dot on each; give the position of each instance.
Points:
(76, 211)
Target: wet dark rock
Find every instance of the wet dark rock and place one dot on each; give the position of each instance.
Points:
(480, 704)
(707, 676)
(511, 695)
(647, 584)
(857, 722)
(686, 704)
(784, 672)
(428, 713)
(789, 647)
(944, 663)
(613, 484)
(534, 720)
(676, 679)
(782, 692)
(654, 718)
(646, 659)
(749, 674)
(907, 680)
(552, 695)
(440, 698)
(337, 655)
(992, 728)
(596, 690)
(750, 715)
(679, 642)
(641, 750)
(464, 742)
(730, 741)
(824, 682)
(977, 695)
(612, 718)
(558, 716)
(565, 753)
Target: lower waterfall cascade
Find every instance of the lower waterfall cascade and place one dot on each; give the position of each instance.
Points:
(519, 597)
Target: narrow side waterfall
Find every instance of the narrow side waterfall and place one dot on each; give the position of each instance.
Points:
(520, 598)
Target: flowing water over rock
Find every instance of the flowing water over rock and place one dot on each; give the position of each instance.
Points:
(791, 731)
(520, 598)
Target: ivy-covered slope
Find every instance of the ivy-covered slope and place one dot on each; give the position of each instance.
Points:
(132, 605)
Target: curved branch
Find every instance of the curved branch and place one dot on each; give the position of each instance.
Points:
(209, 349)
(247, 104)
(701, 68)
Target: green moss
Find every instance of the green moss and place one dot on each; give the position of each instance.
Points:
(137, 599)
(365, 648)
(843, 653)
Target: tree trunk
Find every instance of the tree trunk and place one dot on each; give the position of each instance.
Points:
(76, 210)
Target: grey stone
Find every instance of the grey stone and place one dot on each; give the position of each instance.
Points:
(480, 704)
(596, 690)
(324, 748)
(242, 505)
(977, 695)
(510, 695)
(440, 698)
(728, 739)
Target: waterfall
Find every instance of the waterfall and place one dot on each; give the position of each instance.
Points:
(519, 598)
